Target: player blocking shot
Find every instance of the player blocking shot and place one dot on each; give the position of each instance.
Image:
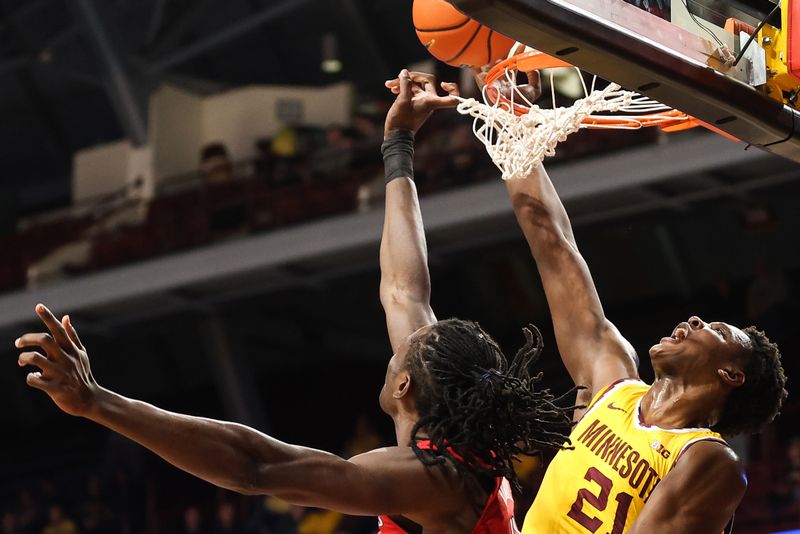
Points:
(461, 409)
(643, 458)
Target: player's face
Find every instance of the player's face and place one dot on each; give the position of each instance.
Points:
(700, 348)
(397, 375)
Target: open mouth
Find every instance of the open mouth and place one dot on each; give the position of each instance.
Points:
(678, 335)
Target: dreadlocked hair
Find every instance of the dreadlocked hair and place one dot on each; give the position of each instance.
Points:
(475, 407)
(758, 401)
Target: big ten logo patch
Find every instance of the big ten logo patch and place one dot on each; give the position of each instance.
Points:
(660, 449)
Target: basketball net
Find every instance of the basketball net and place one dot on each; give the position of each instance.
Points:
(519, 134)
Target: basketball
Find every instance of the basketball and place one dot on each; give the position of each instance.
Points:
(456, 39)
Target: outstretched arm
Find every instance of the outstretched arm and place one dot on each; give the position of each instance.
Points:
(227, 454)
(593, 350)
(717, 483)
(405, 283)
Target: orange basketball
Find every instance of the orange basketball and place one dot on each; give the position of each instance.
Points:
(455, 38)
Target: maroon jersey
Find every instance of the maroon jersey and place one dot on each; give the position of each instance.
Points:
(497, 516)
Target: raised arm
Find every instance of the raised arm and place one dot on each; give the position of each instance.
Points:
(227, 454)
(593, 350)
(405, 283)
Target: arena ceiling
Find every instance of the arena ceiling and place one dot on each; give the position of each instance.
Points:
(74, 73)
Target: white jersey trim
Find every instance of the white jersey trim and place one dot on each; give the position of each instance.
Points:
(695, 440)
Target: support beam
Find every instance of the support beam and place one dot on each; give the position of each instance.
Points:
(156, 21)
(227, 34)
(370, 45)
(174, 30)
(53, 133)
(667, 202)
(126, 99)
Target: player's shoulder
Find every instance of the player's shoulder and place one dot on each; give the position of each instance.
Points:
(716, 463)
(712, 450)
(430, 490)
(387, 457)
(632, 387)
(403, 465)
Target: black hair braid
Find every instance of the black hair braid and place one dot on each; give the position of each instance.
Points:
(475, 407)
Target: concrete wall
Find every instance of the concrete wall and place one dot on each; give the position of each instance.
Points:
(105, 169)
(175, 129)
(237, 118)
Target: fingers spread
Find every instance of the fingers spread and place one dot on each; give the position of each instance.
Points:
(39, 339)
(71, 332)
(37, 360)
(405, 84)
(35, 380)
(53, 324)
(451, 88)
(393, 85)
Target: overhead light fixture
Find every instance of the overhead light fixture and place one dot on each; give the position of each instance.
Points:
(331, 64)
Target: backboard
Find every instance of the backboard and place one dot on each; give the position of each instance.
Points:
(674, 61)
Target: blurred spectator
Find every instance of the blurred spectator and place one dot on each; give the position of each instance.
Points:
(28, 516)
(464, 164)
(226, 519)
(192, 521)
(125, 500)
(286, 143)
(10, 523)
(215, 164)
(367, 132)
(58, 523)
(767, 291)
(289, 150)
(274, 516)
(364, 438)
(226, 201)
(336, 154)
(784, 497)
(264, 164)
(319, 522)
(96, 517)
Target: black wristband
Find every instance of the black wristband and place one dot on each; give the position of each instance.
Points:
(398, 155)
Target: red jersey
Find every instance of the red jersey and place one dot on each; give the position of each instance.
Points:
(497, 516)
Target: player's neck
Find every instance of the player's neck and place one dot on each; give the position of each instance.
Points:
(403, 425)
(673, 403)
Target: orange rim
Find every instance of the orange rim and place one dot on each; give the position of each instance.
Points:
(670, 120)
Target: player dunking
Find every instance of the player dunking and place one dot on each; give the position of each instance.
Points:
(461, 411)
(636, 443)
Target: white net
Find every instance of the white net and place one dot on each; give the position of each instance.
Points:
(518, 143)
